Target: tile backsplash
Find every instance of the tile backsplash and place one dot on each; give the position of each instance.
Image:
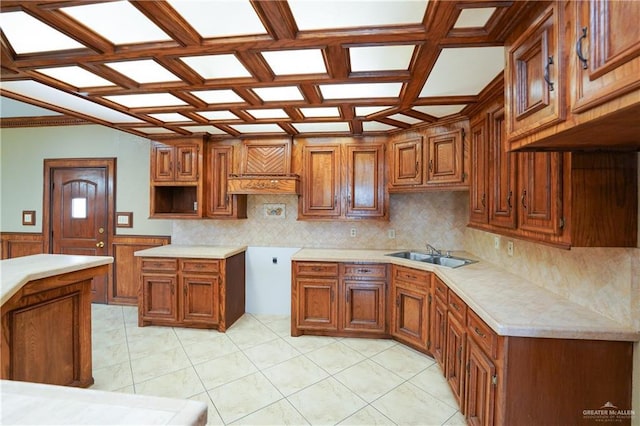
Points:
(439, 218)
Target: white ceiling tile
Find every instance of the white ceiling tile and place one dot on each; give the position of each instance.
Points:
(204, 129)
(144, 71)
(463, 71)
(291, 62)
(27, 34)
(332, 127)
(381, 58)
(257, 128)
(268, 113)
(474, 17)
(75, 76)
(405, 118)
(319, 14)
(154, 130)
(119, 22)
(217, 66)
(360, 90)
(220, 18)
(169, 117)
(218, 115)
(146, 100)
(320, 112)
(285, 93)
(368, 110)
(376, 126)
(439, 110)
(222, 96)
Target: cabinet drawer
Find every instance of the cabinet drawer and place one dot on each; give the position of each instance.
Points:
(413, 275)
(482, 334)
(316, 269)
(367, 271)
(199, 265)
(440, 289)
(457, 307)
(159, 264)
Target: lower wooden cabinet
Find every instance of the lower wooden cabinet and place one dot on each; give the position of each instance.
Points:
(410, 293)
(203, 293)
(338, 298)
(480, 386)
(456, 345)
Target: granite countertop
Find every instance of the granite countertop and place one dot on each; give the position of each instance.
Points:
(509, 304)
(16, 272)
(35, 403)
(195, 252)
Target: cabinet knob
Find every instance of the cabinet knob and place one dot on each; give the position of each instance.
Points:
(546, 76)
(100, 244)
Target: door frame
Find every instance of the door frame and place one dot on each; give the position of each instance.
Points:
(65, 163)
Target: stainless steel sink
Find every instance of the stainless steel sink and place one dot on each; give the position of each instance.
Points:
(441, 260)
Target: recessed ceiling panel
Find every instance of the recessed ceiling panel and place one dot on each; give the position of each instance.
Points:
(143, 71)
(222, 96)
(169, 117)
(376, 126)
(439, 110)
(143, 100)
(368, 110)
(47, 94)
(463, 71)
(220, 18)
(320, 112)
(320, 14)
(405, 118)
(257, 128)
(119, 22)
(218, 115)
(204, 129)
(333, 127)
(381, 58)
(474, 17)
(154, 130)
(291, 62)
(284, 93)
(217, 66)
(75, 76)
(27, 34)
(360, 90)
(268, 113)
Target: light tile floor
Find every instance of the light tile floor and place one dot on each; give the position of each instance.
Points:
(257, 374)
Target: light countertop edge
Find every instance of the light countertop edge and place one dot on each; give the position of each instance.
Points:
(35, 403)
(509, 304)
(16, 272)
(191, 251)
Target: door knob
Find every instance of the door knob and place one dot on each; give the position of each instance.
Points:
(100, 244)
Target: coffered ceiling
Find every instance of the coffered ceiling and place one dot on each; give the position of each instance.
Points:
(247, 67)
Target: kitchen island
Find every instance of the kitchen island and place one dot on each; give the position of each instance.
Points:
(46, 318)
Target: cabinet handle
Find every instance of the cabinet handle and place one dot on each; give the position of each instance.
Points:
(364, 271)
(173, 289)
(398, 300)
(546, 73)
(179, 166)
(579, 48)
(509, 200)
(184, 290)
(430, 165)
(483, 200)
(417, 167)
(523, 198)
(478, 332)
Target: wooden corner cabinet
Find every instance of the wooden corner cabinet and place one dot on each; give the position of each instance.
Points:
(177, 171)
(183, 292)
(342, 299)
(573, 77)
(410, 297)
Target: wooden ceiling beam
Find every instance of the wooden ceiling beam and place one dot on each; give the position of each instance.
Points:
(170, 21)
(277, 18)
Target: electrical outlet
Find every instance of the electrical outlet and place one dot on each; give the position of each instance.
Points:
(510, 248)
(353, 232)
(391, 233)
(496, 242)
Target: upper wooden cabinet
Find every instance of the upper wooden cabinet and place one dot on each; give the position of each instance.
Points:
(343, 181)
(479, 179)
(406, 163)
(177, 178)
(572, 77)
(220, 204)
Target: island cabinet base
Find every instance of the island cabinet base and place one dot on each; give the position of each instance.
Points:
(564, 381)
(46, 330)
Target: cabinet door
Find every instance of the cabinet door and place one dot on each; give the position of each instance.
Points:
(502, 175)
(365, 181)
(410, 314)
(445, 158)
(480, 387)
(607, 38)
(321, 181)
(187, 164)
(455, 358)
(438, 331)
(163, 159)
(540, 192)
(220, 204)
(159, 299)
(406, 167)
(200, 298)
(364, 306)
(534, 78)
(317, 306)
(478, 211)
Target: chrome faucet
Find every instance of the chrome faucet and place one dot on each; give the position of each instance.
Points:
(433, 250)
